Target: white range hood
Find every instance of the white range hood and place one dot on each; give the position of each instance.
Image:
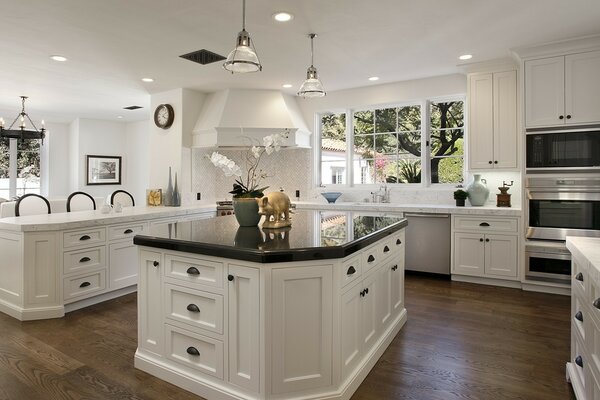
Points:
(229, 117)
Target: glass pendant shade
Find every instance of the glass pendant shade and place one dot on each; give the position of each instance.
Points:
(312, 86)
(243, 58)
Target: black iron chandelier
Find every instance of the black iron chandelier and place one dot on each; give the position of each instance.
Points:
(21, 131)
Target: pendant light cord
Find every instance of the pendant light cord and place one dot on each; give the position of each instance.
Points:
(243, 15)
(312, 36)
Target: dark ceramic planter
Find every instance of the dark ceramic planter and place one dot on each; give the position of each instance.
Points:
(246, 211)
(460, 202)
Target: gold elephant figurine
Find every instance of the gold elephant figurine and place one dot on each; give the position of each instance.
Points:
(275, 206)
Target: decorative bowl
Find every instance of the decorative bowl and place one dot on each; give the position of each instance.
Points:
(331, 196)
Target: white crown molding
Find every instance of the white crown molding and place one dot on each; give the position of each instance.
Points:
(495, 65)
(561, 47)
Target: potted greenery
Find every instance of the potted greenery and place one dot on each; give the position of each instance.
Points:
(460, 196)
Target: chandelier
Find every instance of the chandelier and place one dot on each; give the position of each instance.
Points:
(21, 131)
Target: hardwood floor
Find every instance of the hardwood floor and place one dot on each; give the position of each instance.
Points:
(461, 341)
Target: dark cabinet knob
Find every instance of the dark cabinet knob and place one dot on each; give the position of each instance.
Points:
(371, 258)
(84, 284)
(386, 249)
(127, 231)
(481, 239)
(192, 351)
(561, 117)
(230, 278)
(362, 293)
(85, 237)
(84, 259)
(487, 240)
(579, 361)
(569, 116)
(579, 277)
(579, 316)
(155, 263)
(596, 303)
(351, 271)
(484, 224)
(489, 162)
(366, 290)
(193, 308)
(395, 267)
(495, 162)
(398, 241)
(193, 271)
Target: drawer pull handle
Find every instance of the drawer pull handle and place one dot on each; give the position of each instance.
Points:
(371, 258)
(366, 290)
(127, 231)
(155, 263)
(85, 237)
(84, 284)
(579, 316)
(579, 361)
(362, 293)
(596, 303)
(193, 271)
(230, 278)
(398, 241)
(351, 271)
(487, 240)
(579, 277)
(386, 249)
(193, 308)
(484, 224)
(85, 259)
(192, 351)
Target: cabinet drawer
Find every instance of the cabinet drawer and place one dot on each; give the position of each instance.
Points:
(80, 287)
(84, 237)
(375, 254)
(482, 224)
(578, 354)
(194, 307)
(78, 261)
(398, 240)
(194, 270)
(350, 271)
(195, 351)
(125, 231)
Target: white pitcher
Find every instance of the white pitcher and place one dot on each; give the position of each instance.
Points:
(478, 191)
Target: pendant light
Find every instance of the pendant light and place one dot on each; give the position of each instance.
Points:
(243, 58)
(21, 132)
(312, 86)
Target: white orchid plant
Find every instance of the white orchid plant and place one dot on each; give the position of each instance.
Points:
(248, 186)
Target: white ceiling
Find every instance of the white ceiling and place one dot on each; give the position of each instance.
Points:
(112, 44)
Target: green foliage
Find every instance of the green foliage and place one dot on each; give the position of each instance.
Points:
(409, 171)
(240, 191)
(333, 126)
(460, 194)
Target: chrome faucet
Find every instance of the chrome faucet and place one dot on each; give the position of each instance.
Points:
(382, 195)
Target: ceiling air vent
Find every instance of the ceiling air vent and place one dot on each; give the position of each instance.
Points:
(132, 107)
(203, 57)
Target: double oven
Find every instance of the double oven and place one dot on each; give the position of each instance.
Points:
(563, 197)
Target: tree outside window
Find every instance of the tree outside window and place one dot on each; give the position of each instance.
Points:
(27, 171)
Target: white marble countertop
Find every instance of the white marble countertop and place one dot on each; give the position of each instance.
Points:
(417, 208)
(586, 248)
(82, 219)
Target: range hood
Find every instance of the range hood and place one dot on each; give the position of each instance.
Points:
(237, 118)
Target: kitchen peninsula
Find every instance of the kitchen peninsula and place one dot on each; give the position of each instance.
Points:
(302, 312)
(56, 263)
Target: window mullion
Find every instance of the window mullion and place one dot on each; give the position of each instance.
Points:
(350, 147)
(425, 140)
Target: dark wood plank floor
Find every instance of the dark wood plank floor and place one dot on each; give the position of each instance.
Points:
(461, 341)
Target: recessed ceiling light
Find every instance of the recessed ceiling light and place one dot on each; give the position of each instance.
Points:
(59, 58)
(283, 16)
(287, 85)
(147, 79)
(374, 78)
(465, 57)
(120, 116)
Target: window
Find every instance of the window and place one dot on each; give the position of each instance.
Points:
(19, 167)
(404, 144)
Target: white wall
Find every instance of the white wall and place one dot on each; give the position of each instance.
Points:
(56, 160)
(138, 159)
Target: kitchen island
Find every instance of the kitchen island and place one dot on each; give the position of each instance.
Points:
(294, 313)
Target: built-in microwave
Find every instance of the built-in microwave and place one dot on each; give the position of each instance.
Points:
(571, 150)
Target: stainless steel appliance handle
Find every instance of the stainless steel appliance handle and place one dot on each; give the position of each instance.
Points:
(426, 215)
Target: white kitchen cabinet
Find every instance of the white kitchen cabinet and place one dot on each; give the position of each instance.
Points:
(351, 333)
(41, 276)
(492, 138)
(123, 265)
(150, 320)
(485, 247)
(244, 327)
(562, 90)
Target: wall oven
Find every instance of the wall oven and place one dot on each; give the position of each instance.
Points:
(566, 150)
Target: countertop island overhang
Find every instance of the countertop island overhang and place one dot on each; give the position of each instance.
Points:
(224, 326)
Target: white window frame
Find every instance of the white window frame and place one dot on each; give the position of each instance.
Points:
(13, 168)
(425, 106)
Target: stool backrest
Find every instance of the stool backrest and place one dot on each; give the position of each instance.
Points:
(123, 197)
(32, 204)
(80, 201)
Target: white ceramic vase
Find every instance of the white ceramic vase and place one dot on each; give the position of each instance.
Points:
(478, 191)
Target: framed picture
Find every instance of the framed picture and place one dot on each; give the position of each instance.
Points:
(103, 170)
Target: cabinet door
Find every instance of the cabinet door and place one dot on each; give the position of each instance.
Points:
(469, 256)
(383, 295)
(582, 88)
(370, 321)
(301, 331)
(505, 119)
(351, 329)
(244, 327)
(397, 285)
(481, 125)
(150, 326)
(545, 92)
(123, 265)
(41, 269)
(501, 255)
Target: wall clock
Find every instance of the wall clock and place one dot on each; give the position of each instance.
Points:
(164, 116)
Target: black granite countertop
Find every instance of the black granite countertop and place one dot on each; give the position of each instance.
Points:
(313, 235)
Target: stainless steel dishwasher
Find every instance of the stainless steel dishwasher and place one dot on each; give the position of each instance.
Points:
(428, 243)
